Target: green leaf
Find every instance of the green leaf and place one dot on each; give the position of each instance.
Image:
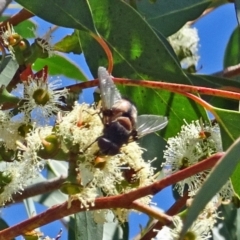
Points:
(57, 168)
(231, 56)
(71, 228)
(235, 180)
(72, 14)
(52, 198)
(237, 8)
(26, 29)
(154, 146)
(212, 81)
(213, 183)
(229, 124)
(3, 224)
(70, 43)
(226, 226)
(6, 97)
(29, 206)
(121, 231)
(138, 52)
(60, 65)
(86, 228)
(217, 83)
(169, 16)
(176, 107)
(8, 69)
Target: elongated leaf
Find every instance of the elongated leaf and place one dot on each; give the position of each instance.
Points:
(26, 29)
(169, 16)
(237, 8)
(71, 228)
(72, 14)
(70, 43)
(217, 83)
(231, 56)
(229, 124)
(57, 168)
(3, 224)
(51, 199)
(235, 180)
(213, 183)
(8, 69)
(138, 52)
(212, 81)
(61, 65)
(121, 231)
(30, 207)
(86, 228)
(3, 5)
(226, 227)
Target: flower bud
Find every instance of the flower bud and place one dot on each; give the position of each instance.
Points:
(51, 146)
(24, 129)
(5, 178)
(99, 162)
(71, 188)
(7, 155)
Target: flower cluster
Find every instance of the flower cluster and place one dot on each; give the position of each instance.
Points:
(114, 175)
(20, 48)
(10, 39)
(25, 163)
(195, 142)
(185, 43)
(199, 230)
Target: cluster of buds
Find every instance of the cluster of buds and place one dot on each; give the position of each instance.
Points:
(20, 48)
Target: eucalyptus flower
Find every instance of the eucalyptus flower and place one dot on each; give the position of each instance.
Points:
(194, 143)
(42, 99)
(185, 43)
(114, 175)
(200, 230)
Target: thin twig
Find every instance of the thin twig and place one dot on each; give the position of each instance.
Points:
(37, 189)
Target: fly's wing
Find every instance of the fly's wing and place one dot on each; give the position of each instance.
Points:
(150, 123)
(109, 93)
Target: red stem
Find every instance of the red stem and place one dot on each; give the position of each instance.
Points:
(172, 87)
(106, 50)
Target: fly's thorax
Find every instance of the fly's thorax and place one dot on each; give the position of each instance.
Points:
(124, 108)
